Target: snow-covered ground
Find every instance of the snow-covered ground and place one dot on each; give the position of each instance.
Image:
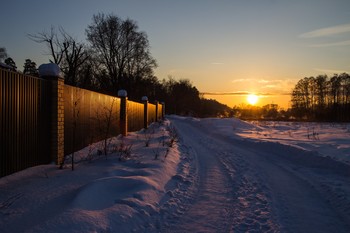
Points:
(220, 175)
(327, 139)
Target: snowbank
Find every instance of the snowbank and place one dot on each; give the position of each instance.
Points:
(103, 194)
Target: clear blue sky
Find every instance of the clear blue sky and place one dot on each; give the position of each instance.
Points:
(223, 46)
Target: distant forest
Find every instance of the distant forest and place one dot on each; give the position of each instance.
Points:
(322, 98)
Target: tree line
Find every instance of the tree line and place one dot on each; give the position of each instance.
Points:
(29, 67)
(116, 55)
(322, 98)
(266, 112)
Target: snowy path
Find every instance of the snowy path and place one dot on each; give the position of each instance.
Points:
(245, 186)
(212, 206)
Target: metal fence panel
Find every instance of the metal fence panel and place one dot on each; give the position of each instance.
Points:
(23, 132)
(89, 117)
(151, 113)
(135, 116)
(160, 111)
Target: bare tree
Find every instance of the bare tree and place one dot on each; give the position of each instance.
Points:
(322, 98)
(75, 54)
(54, 44)
(69, 54)
(122, 49)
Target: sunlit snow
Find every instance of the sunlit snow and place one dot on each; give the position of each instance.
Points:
(210, 175)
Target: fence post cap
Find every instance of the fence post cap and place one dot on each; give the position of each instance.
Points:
(122, 93)
(49, 69)
(144, 98)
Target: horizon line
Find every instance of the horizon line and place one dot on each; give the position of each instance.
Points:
(243, 93)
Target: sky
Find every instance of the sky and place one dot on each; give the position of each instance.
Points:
(227, 48)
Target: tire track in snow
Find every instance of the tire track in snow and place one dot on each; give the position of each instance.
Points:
(229, 196)
(296, 193)
(270, 189)
(251, 197)
(252, 209)
(210, 208)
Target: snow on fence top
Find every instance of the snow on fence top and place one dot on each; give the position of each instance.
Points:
(49, 69)
(122, 93)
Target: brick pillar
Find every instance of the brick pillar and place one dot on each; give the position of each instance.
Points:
(122, 94)
(157, 111)
(51, 72)
(145, 111)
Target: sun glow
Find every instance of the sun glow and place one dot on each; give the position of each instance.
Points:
(252, 99)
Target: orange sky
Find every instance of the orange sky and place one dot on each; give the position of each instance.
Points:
(269, 91)
(283, 101)
(257, 46)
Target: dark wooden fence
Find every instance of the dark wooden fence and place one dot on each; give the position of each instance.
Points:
(26, 119)
(23, 122)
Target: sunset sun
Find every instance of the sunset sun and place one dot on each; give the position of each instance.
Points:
(252, 99)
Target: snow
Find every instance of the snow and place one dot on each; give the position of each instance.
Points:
(196, 175)
(122, 93)
(326, 139)
(49, 69)
(101, 195)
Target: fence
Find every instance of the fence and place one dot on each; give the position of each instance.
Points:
(23, 122)
(88, 117)
(136, 110)
(42, 119)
